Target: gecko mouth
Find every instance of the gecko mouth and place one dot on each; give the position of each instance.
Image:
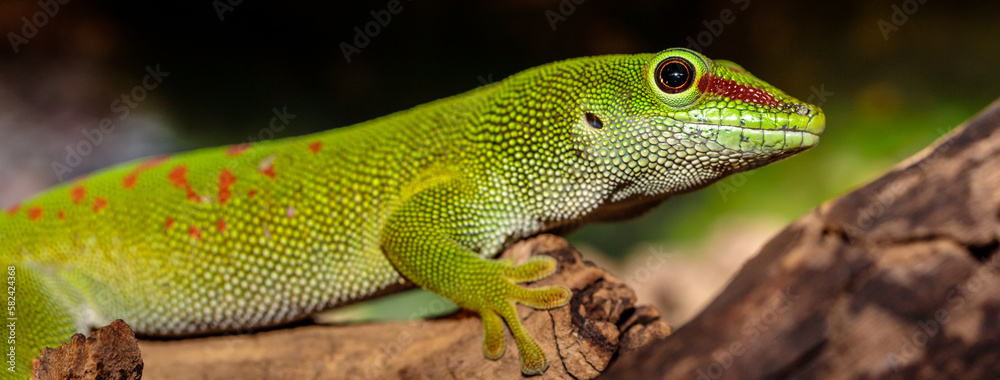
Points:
(786, 137)
(748, 139)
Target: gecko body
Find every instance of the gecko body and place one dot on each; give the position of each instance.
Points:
(260, 235)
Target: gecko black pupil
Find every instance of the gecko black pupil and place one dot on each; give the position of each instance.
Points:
(674, 76)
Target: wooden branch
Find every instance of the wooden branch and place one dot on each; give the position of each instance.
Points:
(899, 279)
(580, 340)
(110, 353)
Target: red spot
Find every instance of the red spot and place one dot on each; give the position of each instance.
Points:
(77, 193)
(732, 90)
(34, 213)
(315, 146)
(237, 150)
(13, 209)
(221, 225)
(226, 180)
(178, 177)
(129, 181)
(268, 171)
(61, 215)
(170, 222)
(252, 193)
(266, 167)
(194, 232)
(100, 204)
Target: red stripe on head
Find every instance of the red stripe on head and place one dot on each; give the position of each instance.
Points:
(736, 91)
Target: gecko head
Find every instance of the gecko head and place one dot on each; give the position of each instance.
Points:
(675, 121)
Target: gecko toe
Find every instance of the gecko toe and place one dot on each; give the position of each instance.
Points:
(546, 297)
(494, 335)
(534, 269)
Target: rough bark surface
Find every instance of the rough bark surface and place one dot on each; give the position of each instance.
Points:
(898, 279)
(580, 339)
(110, 353)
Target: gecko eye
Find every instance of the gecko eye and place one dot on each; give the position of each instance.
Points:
(674, 75)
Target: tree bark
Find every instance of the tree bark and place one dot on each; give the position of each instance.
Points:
(110, 353)
(579, 340)
(898, 279)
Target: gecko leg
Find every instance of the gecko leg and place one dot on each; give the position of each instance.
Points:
(417, 242)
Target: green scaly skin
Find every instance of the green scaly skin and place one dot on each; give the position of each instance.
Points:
(244, 237)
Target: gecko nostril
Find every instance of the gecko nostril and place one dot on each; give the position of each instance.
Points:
(803, 110)
(594, 121)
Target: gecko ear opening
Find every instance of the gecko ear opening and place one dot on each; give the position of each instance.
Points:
(593, 121)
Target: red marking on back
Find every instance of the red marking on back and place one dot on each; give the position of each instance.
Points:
(315, 146)
(34, 213)
(170, 222)
(237, 150)
(736, 91)
(129, 181)
(178, 177)
(62, 215)
(220, 225)
(13, 209)
(268, 171)
(252, 193)
(100, 204)
(194, 232)
(226, 180)
(77, 193)
(266, 166)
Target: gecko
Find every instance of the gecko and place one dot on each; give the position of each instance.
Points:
(264, 234)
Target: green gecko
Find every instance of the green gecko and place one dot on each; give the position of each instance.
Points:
(248, 236)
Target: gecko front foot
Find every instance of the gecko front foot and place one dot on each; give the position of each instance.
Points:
(497, 306)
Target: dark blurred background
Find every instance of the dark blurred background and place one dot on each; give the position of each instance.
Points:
(892, 76)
